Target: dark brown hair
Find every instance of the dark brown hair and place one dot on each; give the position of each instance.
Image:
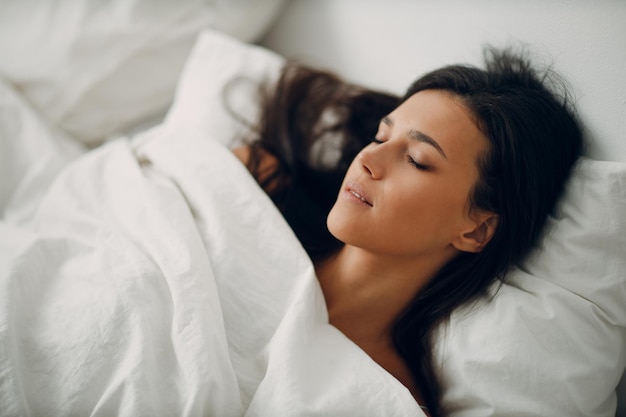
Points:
(314, 123)
(534, 141)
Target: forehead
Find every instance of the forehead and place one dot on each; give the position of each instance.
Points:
(442, 116)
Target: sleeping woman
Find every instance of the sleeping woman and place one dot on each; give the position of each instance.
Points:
(411, 207)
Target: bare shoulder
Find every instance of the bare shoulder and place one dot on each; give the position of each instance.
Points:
(243, 153)
(262, 169)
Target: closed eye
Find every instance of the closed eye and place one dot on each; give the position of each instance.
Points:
(417, 165)
(377, 141)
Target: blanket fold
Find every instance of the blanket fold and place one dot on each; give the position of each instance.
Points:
(156, 278)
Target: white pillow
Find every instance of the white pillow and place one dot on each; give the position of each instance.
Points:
(94, 68)
(219, 86)
(553, 340)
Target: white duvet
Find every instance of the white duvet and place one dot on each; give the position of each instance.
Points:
(153, 277)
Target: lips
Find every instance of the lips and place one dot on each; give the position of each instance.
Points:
(356, 191)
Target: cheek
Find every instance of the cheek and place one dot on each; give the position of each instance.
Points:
(434, 212)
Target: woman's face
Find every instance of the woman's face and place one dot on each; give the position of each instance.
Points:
(407, 193)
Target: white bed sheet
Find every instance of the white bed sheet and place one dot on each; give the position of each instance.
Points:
(154, 277)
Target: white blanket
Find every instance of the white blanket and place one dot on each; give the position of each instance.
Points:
(156, 278)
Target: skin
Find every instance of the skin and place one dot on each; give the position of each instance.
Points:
(403, 212)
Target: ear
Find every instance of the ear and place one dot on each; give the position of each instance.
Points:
(484, 225)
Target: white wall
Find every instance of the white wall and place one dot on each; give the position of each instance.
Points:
(387, 43)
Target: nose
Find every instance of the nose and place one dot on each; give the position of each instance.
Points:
(369, 160)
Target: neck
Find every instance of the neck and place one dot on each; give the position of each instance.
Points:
(365, 293)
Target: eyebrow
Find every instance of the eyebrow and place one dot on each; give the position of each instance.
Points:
(418, 136)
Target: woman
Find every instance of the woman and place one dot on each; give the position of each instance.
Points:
(448, 188)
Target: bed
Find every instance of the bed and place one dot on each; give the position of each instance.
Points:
(136, 276)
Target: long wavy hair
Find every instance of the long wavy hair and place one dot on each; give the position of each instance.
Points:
(314, 123)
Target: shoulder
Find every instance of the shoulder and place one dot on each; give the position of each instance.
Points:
(262, 164)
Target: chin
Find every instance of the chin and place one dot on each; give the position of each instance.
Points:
(331, 223)
(344, 228)
(341, 224)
